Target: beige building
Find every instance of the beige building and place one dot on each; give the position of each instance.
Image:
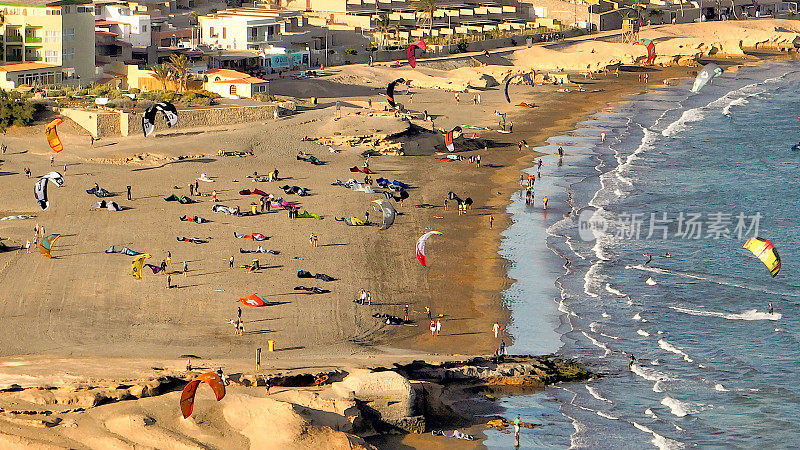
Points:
(233, 84)
(14, 75)
(59, 33)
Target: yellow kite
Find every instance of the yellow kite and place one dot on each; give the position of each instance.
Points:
(52, 136)
(136, 266)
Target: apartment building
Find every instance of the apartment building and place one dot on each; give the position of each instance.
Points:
(128, 25)
(249, 28)
(57, 33)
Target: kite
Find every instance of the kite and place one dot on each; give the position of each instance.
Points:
(195, 219)
(352, 221)
(136, 265)
(766, 252)
(411, 52)
(223, 209)
(149, 116)
(311, 158)
(47, 244)
(523, 76)
(253, 192)
(313, 290)
(52, 135)
(254, 236)
(708, 72)
(193, 240)
(421, 246)
(389, 213)
(398, 198)
(390, 91)
(187, 395)
(183, 199)
(40, 189)
(155, 269)
(448, 138)
(253, 300)
(111, 206)
(123, 250)
(319, 276)
(308, 215)
(651, 49)
(365, 170)
(99, 192)
(301, 191)
(260, 249)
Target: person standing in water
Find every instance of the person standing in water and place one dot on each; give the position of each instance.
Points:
(633, 360)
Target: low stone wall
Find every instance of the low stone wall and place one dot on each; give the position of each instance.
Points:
(199, 117)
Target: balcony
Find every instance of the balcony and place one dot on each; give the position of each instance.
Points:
(33, 40)
(31, 58)
(14, 38)
(14, 58)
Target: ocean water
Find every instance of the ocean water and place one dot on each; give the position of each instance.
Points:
(691, 175)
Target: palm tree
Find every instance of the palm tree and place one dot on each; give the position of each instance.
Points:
(161, 73)
(426, 7)
(382, 27)
(179, 70)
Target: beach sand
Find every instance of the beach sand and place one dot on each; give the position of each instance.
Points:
(85, 304)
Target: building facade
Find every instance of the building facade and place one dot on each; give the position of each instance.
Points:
(52, 32)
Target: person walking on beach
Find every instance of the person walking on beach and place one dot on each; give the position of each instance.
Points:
(539, 168)
(510, 126)
(191, 188)
(169, 258)
(428, 312)
(52, 161)
(129, 192)
(230, 262)
(197, 187)
(214, 196)
(445, 204)
(438, 327)
(369, 298)
(405, 313)
(560, 152)
(478, 160)
(544, 200)
(602, 137)
(169, 281)
(496, 329)
(491, 222)
(185, 268)
(517, 423)
(239, 312)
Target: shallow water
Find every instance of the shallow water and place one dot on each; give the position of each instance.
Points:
(713, 367)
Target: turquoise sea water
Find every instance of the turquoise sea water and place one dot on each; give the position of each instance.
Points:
(713, 369)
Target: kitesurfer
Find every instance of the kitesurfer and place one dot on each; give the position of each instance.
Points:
(633, 360)
(129, 192)
(668, 255)
(771, 310)
(649, 258)
(560, 152)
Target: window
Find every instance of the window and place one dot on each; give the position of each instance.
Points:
(51, 56)
(68, 54)
(51, 36)
(66, 9)
(233, 90)
(144, 28)
(211, 32)
(53, 12)
(68, 35)
(224, 34)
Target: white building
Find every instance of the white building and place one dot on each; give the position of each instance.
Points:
(248, 28)
(128, 25)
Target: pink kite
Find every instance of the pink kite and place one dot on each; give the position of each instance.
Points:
(411, 52)
(253, 192)
(364, 170)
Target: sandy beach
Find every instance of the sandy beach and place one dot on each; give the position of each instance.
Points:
(81, 315)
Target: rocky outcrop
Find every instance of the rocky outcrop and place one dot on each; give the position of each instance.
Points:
(384, 396)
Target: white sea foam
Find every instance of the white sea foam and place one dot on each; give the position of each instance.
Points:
(606, 415)
(599, 344)
(688, 116)
(605, 314)
(719, 387)
(671, 348)
(650, 281)
(649, 374)
(597, 395)
(615, 291)
(637, 317)
(649, 413)
(741, 101)
(713, 279)
(679, 408)
(750, 314)
(588, 280)
(658, 386)
(642, 333)
(661, 442)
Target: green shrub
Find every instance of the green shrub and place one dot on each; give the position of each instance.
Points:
(351, 51)
(15, 111)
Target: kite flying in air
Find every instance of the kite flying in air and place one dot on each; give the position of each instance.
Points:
(390, 91)
(40, 189)
(411, 52)
(421, 246)
(389, 213)
(149, 116)
(766, 252)
(448, 138)
(52, 135)
(705, 76)
(651, 49)
(528, 78)
(47, 244)
(188, 393)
